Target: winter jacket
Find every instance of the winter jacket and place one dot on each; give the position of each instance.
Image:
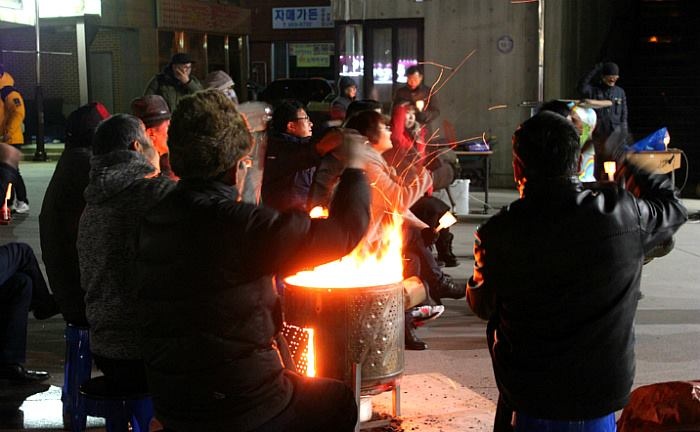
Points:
(430, 111)
(288, 172)
(339, 105)
(610, 118)
(58, 229)
(11, 116)
(557, 275)
(208, 303)
(117, 197)
(165, 84)
(393, 192)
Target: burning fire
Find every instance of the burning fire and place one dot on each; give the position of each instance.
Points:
(367, 265)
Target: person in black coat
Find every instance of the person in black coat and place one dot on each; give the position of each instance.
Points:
(557, 274)
(60, 212)
(418, 94)
(209, 309)
(612, 132)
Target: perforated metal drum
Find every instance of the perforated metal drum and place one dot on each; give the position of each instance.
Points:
(362, 325)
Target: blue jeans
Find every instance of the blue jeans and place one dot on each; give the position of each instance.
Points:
(525, 423)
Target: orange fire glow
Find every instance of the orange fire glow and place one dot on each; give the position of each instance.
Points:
(378, 263)
(310, 354)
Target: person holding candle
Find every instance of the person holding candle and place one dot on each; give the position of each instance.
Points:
(418, 94)
(557, 274)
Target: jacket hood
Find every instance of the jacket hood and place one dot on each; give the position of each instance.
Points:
(343, 83)
(113, 172)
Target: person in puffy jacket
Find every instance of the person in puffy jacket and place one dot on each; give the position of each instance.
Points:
(175, 81)
(210, 313)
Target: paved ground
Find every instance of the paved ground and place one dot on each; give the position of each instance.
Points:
(448, 387)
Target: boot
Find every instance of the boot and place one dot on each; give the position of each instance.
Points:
(411, 339)
(443, 244)
(445, 287)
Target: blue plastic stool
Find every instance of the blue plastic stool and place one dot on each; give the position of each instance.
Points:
(525, 423)
(122, 412)
(76, 371)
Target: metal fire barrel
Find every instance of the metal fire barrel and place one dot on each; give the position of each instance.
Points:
(363, 326)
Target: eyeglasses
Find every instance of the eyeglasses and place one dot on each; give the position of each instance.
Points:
(303, 118)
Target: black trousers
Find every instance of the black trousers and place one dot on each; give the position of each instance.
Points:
(318, 404)
(9, 174)
(123, 376)
(22, 288)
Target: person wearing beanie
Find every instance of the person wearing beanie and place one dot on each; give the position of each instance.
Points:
(347, 92)
(208, 306)
(220, 80)
(60, 212)
(611, 133)
(175, 81)
(155, 115)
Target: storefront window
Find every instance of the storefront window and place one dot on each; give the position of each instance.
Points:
(395, 46)
(350, 53)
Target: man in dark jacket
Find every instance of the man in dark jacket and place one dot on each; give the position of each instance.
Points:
(60, 212)
(418, 95)
(599, 84)
(290, 160)
(210, 312)
(175, 81)
(557, 275)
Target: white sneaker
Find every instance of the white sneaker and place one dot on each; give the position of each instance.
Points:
(427, 312)
(20, 207)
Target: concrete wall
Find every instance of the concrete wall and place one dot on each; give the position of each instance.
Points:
(575, 31)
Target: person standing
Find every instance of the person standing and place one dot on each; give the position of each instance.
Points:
(612, 132)
(560, 330)
(61, 210)
(12, 115)
(175, 81)
(121, 191)
(208, 306)
(418, 94)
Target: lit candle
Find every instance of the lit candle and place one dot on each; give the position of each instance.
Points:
(610, 167)
(446, 221)
(420, 104)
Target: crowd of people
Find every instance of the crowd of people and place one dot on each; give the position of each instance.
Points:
(147, 241)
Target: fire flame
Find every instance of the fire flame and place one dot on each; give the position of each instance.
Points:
(374, 264)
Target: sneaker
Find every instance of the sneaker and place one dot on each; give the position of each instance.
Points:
(20, 207)
(426, 312)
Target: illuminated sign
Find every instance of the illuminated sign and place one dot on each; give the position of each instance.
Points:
(302, 17)
(24, 11)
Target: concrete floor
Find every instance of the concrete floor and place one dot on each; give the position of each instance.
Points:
(448, 387)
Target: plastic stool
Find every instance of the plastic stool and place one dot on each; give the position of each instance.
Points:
(76, 371)
(525, 423)
(122, 412)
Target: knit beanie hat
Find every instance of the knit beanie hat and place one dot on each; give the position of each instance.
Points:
(610, 68)
(151, 109)
(218, 79)
(81, 124)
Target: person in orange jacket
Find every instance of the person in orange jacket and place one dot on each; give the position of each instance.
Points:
(12, 113)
